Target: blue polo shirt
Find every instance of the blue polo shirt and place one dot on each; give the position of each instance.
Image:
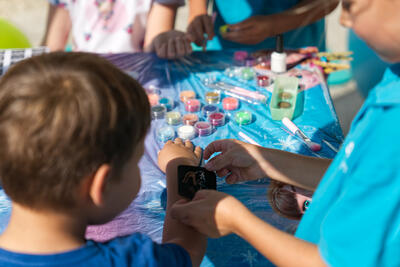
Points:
(235, 11)
(354, 217)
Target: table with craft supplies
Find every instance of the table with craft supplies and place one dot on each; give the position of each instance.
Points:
(209, 96)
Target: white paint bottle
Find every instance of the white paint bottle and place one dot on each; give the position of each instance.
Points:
(278, 57)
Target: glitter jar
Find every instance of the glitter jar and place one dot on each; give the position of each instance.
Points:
(230, 103)
(216, 119)
(173, 117)
(203, 128)
(208, 109)
(187, 94)
(167, 102)
(190, 119)
(240, 55)
(192, 105)
(165, 133)
(213, 97)
(243, 117)
(153, 94)
(249, 61)
(247, 73)
(263, 80)
(158, 112)
(186, 132)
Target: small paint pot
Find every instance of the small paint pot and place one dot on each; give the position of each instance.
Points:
(240, 55)
(213, 97)
(153, 99)
(153, 95)
(285, 95)
(158, 112)
(173, 117)
(230, 103)
(165, 133)
(249, 61)
(247, 73)
(263, 81)
(190, 119)
(186, 95)
(186, 132)
(216, 119)
(208, 109)
(243, 117)
(167, 102)
(203, 128)
(284, 104)
(192, 105)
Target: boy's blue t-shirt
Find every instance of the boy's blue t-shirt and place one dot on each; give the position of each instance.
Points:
(235, 11)
(354, 217)
(133, 250)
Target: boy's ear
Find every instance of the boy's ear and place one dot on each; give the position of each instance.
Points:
(98, 184)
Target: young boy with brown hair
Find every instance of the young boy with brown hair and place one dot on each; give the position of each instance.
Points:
(354, 217)
(72, 129)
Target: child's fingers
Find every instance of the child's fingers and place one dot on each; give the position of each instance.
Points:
(169, 142)
(178, 141)
(189, 144)
(198, 151)
(231, 179)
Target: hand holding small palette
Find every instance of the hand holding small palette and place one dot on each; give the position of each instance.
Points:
(192, 179)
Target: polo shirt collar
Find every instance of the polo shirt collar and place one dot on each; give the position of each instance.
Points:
(388, 91)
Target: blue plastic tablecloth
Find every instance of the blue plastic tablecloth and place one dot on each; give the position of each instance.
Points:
(318, 120)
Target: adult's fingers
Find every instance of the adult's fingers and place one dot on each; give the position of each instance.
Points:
(216, 146)
(180, 47)
(171, 49)
(196, 30)
(223, 172)
(232, 178)
(161, 50)
(241, 26)
(208, 26)
(219, 162)
(183, 212)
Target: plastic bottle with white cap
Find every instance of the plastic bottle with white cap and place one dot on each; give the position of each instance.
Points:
(278, 57)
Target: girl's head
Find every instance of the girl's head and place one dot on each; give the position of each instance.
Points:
(377, 22)
(287, 200)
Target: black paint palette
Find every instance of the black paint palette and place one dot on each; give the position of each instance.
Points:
(192, 179)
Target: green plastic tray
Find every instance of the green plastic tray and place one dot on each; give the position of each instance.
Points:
(284, 97)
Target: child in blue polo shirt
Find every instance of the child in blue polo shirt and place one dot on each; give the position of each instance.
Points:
(354, 217)
(72, 130)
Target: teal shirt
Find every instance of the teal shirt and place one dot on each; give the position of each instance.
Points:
(234, 11)
(354, 217)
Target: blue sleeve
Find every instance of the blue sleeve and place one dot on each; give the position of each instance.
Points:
(61, 3)
(362, 228)
(171, 2)
(140, 250)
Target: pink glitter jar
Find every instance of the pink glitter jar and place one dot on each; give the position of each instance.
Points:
(192, 105)
(216, 119)
(230, 103)
(203, 128)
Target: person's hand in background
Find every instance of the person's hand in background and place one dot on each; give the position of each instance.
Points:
(251, 31)
(171, 45)
(201, 30)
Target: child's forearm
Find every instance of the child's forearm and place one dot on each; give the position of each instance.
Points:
(161, 19)
(279, 247)
(58, 28)
(174, 231)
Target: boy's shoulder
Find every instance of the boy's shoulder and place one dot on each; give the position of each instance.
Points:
(133, 250)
